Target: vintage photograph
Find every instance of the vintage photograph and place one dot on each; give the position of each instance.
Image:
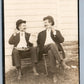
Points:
(41, 42)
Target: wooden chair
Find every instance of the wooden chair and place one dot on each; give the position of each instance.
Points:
(45, 63)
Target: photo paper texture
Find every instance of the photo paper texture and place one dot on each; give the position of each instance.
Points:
(30, 16)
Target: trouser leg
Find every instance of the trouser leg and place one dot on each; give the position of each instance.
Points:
(54, 55)
(34, 59)
(55, 52)
(52, 62)
(16, 58)
(17, 62)
(33, 54)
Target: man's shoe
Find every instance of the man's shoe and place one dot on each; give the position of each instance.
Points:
(36, 74)
(65, 66)
(54, 79)
(19, 75)
(35, 71)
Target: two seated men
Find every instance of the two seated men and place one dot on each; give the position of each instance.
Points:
(48, 41)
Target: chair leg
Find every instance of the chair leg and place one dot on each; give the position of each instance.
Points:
(45, 63)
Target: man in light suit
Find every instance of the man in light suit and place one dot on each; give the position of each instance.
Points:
(22, 47)
(49, 41)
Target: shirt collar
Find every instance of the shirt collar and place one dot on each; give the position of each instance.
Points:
(48, 29)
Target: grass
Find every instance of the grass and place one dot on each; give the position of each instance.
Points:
(63, 76)
(70, 76)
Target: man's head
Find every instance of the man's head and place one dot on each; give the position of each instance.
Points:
(21, 25)
(48, 21)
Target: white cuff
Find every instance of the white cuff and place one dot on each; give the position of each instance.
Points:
(54, 32)
(14, 34)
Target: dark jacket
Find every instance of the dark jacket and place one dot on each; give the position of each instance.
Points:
(58, 38)
(14, 40)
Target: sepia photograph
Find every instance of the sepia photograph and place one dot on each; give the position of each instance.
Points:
(41, 42)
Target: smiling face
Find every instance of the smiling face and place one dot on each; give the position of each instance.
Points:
(47, 24)
(22, 27)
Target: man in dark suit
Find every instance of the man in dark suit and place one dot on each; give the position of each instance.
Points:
(49, 42)
(20, 40)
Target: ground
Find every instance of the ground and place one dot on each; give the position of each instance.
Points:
(64, 76)
(70, 76)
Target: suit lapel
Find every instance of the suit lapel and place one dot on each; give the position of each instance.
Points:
(26, 37)
(52, 34)
(17, 39)
(44, 36)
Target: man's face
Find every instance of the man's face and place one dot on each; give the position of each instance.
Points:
(22, 27)
(47, 24)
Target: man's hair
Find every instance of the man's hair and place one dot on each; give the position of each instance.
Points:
(50, 19)
(20, 21)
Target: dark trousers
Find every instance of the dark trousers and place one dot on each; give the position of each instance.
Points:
(53, 54)
(18, 55)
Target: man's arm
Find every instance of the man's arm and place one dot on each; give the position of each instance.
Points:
(58, 36)
(12, 39)
(29, 43)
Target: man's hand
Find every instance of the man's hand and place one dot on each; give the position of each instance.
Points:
(15, 32)
(53, 30)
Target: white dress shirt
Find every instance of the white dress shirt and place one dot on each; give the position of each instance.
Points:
(22, 42)
(48, 37)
